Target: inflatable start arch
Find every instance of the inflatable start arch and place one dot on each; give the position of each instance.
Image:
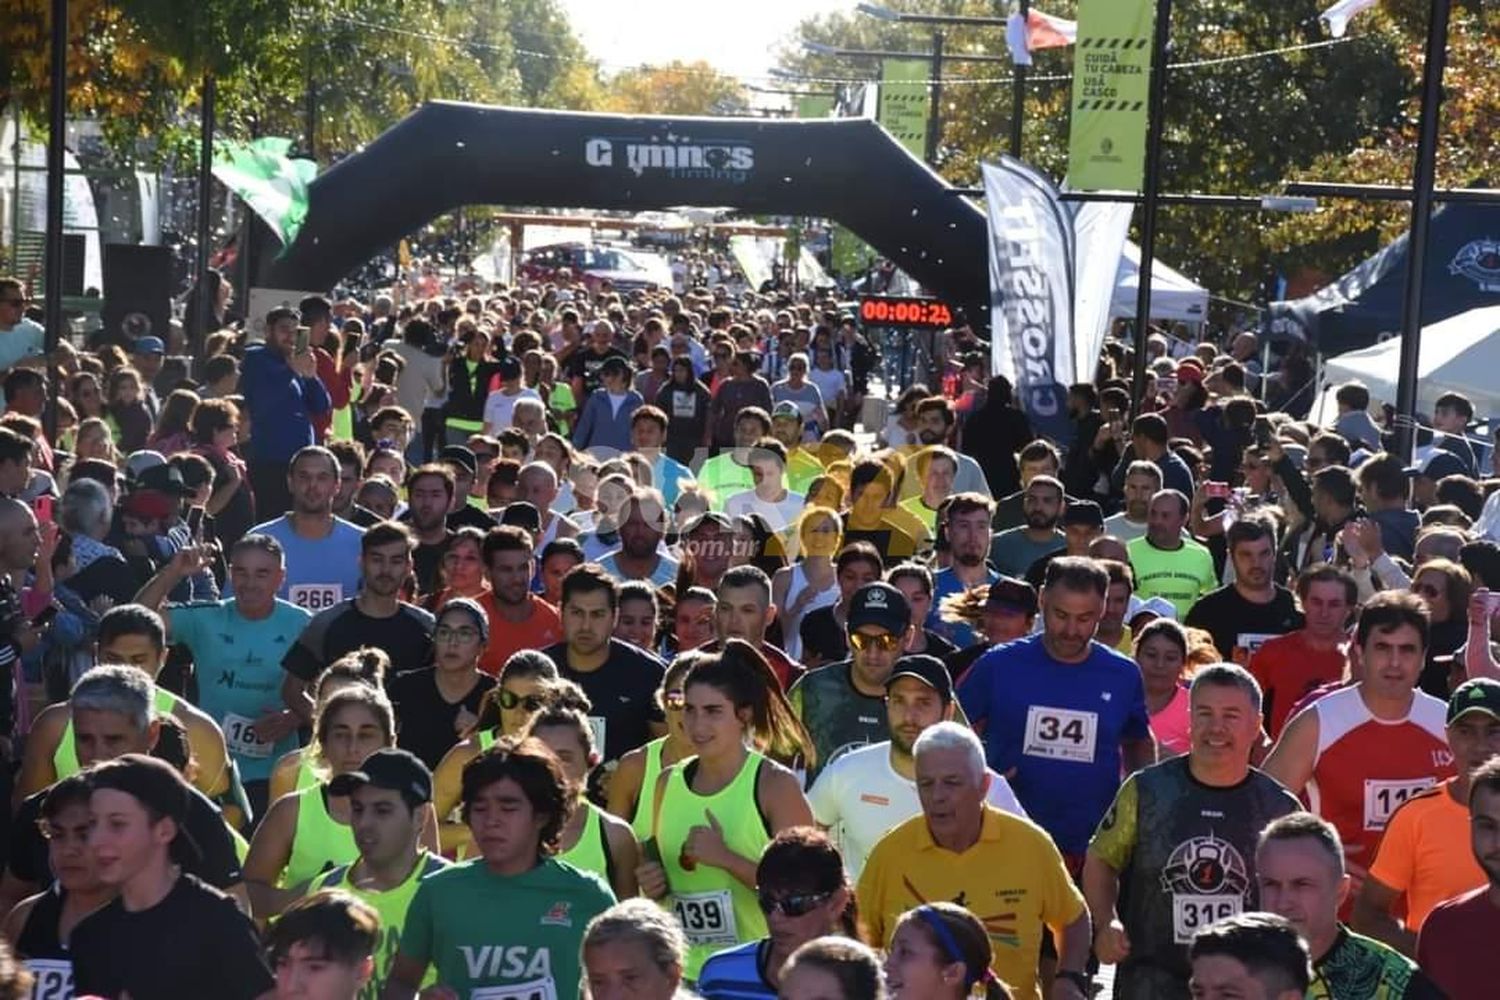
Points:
(446, 155)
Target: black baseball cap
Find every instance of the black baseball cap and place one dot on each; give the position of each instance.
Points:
(616, 364)
(880, 604)
(927, 669)
(1481, 694)
(1438, 465)
(510, 367)
(1084, 512)
(1012, 594)
(391, 768)
(458, 454)
(156, 785)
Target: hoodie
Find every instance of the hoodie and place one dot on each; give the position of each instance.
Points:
(282, 405)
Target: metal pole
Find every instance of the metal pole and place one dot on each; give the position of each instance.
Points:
(205, 206)
(1156, 104)
(56, 153)
(1421, 216)
(1018, 95)
(935, 113)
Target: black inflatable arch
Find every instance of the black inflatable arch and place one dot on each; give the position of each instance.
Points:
(446, 155)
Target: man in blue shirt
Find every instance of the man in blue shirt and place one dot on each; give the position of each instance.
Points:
(283, 393)
(968, 526)
(1063, 712)
(322, 551)
(237, 646)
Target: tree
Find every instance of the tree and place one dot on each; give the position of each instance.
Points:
(676, 88)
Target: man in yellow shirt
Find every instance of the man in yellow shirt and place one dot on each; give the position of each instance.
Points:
(1003, 869)
(802, 466)
(937, 468)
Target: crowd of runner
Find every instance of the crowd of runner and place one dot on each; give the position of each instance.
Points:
(550, 642)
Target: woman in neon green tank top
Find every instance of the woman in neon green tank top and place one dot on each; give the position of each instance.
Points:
(592, 839)
(638, 770)
(715, 813)
(302, 768)
(306, 832)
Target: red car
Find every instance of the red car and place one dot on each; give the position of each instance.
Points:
(593, 265)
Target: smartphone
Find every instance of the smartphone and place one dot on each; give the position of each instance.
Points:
(303, 340)
(1492, 603)
(195, 524)
(1216, 491)
(43, 619)
(1262, 432)
(42, 507)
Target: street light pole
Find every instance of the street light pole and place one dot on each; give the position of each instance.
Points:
(56, 155)
(1421, 217)
(1018, 94)
(935, 112)
(1155, 104)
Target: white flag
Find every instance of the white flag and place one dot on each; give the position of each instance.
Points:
(1340, 14)
(1100, 229)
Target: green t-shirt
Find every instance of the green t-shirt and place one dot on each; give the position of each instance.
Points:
(1180, 575)
(496, 937)
(392, 905)
(722, 477)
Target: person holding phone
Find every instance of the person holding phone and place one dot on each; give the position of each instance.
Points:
(282, 390)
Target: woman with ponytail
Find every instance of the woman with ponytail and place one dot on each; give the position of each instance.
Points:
(803, 891)
(714, 814)
(941, 952)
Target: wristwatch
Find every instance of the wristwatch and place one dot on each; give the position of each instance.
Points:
(1079, 979)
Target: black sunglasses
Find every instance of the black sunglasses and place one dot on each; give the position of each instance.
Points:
(795, 904)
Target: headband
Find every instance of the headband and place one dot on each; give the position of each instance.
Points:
(933, 919)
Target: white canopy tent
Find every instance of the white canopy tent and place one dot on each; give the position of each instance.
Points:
(1174, 298)
(1460, 354)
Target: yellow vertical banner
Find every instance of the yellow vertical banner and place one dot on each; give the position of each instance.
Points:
(905, 101)
(814, 105)
(1111, 84)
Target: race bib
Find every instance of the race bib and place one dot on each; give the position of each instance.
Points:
(598, 725)
(315, 596)
(1384, 797)
(1247, 644)
(537, 989)
(51, 978)
(1191, 913)
(240, 737)
(706, 917)
(1061, 734)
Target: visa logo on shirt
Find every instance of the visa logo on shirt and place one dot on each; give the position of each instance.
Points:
(493, 961)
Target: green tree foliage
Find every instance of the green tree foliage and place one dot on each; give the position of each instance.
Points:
(676, 88)
(1235, 127)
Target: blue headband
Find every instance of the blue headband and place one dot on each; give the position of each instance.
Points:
(932, 918)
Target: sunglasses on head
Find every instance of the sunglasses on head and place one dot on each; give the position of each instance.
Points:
(793, 904)
(510, 701)
(884, 642)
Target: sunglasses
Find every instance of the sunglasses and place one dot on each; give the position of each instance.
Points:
(510, 701)
(885, 641)
(796, 904)
(674, 701)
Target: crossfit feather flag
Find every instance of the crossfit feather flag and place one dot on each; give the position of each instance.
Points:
(270, 182)
(1340, 14)
(1037, 31)
(1031, 291)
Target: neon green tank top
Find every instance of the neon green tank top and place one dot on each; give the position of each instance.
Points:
(591, 853)
(641, 824)
(318, 842)
(715, 909)
(65, 757)
(392, 905)
(307, 774)
(487, 739)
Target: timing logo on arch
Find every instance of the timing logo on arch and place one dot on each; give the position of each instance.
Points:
(676, 156)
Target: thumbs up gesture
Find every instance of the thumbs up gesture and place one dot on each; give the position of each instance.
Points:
(706, 843)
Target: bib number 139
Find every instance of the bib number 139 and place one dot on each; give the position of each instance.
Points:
(706, 917)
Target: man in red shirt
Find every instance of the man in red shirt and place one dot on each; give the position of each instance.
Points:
(518, 618)
(1289, 666)
(1457, 944)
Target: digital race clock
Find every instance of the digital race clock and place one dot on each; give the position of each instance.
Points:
(905, 311)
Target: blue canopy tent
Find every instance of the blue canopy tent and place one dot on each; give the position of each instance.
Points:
(1364, 306)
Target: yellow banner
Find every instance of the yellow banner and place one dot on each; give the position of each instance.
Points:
(1111, 84)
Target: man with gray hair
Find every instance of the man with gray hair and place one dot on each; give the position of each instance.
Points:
(536, 484)
(112, 712)
(1004, 868)
(1180, 841)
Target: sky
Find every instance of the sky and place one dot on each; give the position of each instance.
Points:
(735, 36)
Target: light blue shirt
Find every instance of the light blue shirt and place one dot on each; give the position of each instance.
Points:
(239, 672)
(665, 572)
(321, 572)
(669, 476)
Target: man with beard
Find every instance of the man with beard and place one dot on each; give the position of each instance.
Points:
(1015, 549)
(1243, 614)
(1142, 482)
(620, 680)
(1457, 944)
(1063, 713)
(322, 551)
(801, 465)
(643, 525)
(968, 544)
(1167, 563)
(283, 396)
(518, 618)
(866, 792)
(935, 420)
(376, 616)
(429, 494)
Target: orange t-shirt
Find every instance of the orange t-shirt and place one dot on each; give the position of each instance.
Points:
(1425, 853)
(541, 630)
(1287, 668)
